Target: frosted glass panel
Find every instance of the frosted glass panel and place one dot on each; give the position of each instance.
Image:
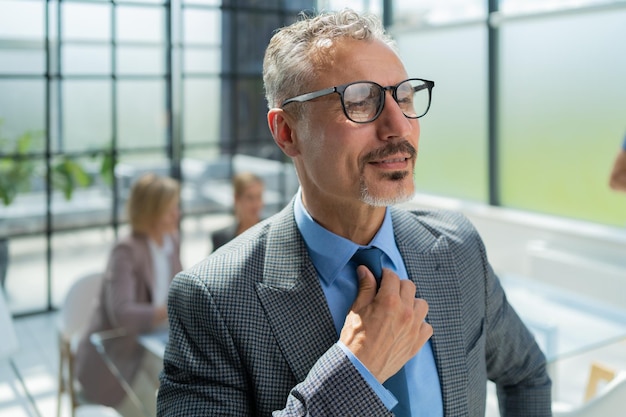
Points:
(146, 61)
(141, 114)
(202, 26)
(86, 115)
(530, 6)
(20, 61)
(435, 12)
(453, 143)
(358, 5)
(563, 97)
(148, 1)
(201, 111)
(26, 286)
(86, 21)
(22, 106)
(202, 60)
(93, 59)
(21, 19)
(140, 24)
(204, 2)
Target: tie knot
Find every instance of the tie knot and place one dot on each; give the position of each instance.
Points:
(370, 257)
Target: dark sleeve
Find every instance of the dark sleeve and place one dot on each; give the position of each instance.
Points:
(222, 236)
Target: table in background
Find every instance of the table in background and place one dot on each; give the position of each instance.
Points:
(142, 388)
(564, 323)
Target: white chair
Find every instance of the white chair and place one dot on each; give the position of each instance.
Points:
(73, 319)
(609, 402)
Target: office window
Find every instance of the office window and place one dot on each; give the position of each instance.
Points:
(452, 157)
(86, 108)
(141, 114)
(563, 97)
(114, 90)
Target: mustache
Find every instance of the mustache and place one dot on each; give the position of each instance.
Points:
(390, 149)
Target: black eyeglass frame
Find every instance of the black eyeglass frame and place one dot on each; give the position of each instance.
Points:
(339, 89)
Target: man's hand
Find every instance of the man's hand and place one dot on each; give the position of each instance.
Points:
(385, 329)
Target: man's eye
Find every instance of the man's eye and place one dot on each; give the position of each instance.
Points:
(357, 105)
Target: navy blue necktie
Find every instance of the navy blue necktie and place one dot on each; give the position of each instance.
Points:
(371, 258)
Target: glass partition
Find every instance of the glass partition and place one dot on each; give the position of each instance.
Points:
(562, 99)
(452, 157)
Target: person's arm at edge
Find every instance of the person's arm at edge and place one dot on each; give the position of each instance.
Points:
(617, 181)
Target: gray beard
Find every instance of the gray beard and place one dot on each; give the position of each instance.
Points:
(401, 197)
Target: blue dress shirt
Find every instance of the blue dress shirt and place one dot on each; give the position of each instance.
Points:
(330, 255)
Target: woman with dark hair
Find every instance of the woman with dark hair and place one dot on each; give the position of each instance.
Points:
(247, 205)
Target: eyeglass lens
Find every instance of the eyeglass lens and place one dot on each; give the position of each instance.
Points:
(363, 101)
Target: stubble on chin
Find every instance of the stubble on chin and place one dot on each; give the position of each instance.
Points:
(394, 179)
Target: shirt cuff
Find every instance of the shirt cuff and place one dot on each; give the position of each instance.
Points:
(383, 393)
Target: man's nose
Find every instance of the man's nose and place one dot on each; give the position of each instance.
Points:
(393, 116)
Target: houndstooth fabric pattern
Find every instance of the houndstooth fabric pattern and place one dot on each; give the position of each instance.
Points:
(251, 333)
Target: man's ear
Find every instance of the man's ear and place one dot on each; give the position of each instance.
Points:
(281, 125)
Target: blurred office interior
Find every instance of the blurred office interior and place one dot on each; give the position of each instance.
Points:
(528, 112)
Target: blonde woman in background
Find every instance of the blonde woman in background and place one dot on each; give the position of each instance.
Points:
(248, 204)
(133, 296)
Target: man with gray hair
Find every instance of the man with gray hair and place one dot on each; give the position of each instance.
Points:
(341, 304)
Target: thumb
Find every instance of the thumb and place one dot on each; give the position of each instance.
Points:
(367, 288)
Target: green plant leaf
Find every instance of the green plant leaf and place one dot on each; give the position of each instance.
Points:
(16, 170)
(106, 168)
(68, 174)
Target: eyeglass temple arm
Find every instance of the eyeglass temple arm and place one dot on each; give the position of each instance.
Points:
(426, 85)
(310, 96)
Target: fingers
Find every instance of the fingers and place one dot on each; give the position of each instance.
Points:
(392, 284)
(421, 307)
(367, 288)
(387, 328)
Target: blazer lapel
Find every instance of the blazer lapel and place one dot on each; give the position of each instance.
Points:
(430, 265)
(293, 299)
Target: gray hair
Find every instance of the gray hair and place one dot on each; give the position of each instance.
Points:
(296, 51)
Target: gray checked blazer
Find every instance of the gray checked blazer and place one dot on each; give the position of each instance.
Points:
(252, 335)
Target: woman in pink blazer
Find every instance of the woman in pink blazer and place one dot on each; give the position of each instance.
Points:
(134, 290)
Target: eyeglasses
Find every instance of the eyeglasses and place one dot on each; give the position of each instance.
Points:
(363, 101)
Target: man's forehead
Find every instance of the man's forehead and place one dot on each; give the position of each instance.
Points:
(357, 60)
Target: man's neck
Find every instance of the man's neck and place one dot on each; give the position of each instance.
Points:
(355, 222)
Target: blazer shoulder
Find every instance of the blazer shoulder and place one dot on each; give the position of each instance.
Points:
(454, 225)
(241, 262)
(131, 244)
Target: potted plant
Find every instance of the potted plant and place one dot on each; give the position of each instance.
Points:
(18, 172)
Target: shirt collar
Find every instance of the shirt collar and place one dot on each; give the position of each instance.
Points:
(330, 252)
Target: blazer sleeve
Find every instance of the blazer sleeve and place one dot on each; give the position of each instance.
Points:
(204, 373)
(127, 298)
(325, 391)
